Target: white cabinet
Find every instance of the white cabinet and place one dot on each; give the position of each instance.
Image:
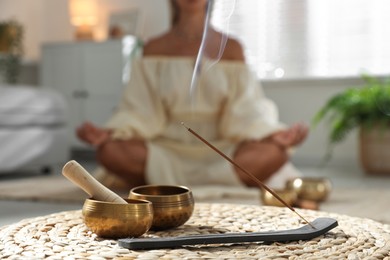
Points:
(91, 76)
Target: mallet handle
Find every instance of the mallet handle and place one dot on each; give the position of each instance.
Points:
(79, 176)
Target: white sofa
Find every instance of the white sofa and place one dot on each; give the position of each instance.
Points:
(33, 132)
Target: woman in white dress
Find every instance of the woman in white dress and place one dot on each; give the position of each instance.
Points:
(144, 141)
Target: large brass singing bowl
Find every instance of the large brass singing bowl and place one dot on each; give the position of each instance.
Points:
(311, 188)
(172, 205)
(114, 220)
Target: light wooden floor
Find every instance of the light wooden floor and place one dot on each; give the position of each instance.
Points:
(354, 194)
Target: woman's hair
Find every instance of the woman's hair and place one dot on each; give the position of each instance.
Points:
(174, 12)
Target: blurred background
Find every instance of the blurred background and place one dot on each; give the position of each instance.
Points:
(303, 51)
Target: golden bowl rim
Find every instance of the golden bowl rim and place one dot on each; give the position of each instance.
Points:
(185, 188)
(311, 179)
(290, 190)
(143, 201)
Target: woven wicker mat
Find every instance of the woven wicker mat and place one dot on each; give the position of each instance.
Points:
(64, 236)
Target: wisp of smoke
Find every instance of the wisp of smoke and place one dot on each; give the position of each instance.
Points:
(213, 55)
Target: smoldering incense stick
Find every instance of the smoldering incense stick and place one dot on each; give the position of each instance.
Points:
(258, 182)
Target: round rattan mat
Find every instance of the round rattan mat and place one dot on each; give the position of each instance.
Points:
(64, 236)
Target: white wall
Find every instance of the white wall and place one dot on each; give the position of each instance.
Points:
(48, 20)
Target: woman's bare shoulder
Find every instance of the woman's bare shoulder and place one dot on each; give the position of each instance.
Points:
(157, 45)
(234, 50)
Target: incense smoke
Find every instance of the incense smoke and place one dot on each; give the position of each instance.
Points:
(213, 56)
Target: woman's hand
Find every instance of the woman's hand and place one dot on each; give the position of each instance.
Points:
(92, 134)
(292, 136)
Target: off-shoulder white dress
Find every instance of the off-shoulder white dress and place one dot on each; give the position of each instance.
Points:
(226, 107)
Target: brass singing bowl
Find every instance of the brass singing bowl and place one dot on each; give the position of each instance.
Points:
(288, 195)
(311, 188)
(172, 205)
(114, 220)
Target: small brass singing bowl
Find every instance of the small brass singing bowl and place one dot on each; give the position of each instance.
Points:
(114, 220)
(288, 195)
(311, 188)
(172, 205)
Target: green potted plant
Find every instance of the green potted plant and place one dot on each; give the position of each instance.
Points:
(11, 50)
(366, 108)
